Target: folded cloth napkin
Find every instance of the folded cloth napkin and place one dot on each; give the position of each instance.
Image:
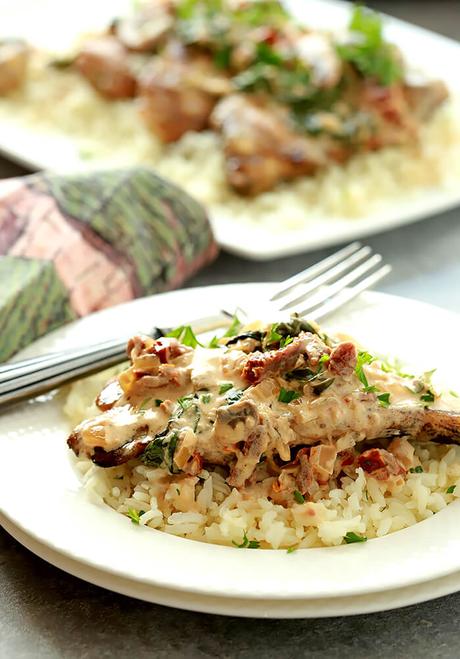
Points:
(70, 245)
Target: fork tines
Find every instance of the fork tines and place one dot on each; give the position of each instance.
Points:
(315, 292)
(324, 287)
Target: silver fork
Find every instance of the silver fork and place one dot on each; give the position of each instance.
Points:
(315, 292)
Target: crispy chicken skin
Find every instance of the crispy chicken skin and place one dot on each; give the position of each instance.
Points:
(425, 97)
(104, 64)
(177, 93)
(261, 148)
(297, 414)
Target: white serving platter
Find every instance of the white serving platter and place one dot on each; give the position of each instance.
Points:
(432, 53)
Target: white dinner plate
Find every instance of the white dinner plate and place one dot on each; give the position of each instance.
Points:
(40, 493)
(432, 53)
(231, 606)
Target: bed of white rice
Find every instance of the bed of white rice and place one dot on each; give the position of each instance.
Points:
(210, 511)
(112, 134)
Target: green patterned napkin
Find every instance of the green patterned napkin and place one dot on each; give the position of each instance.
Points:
(70, 245)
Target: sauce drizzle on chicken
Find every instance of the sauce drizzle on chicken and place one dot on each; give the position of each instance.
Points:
(285, 406)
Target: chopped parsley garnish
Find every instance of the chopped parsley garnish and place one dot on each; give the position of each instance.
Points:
(396, 367)
(206, 398)
(265, 54)
(171, 447)
(278, 334)
(222, 57)
(225, 386)
(324, 359)
(352, 537)
(416, 470)
(291, 550)
(214, 342)
(153, 454)
(363, 358)
(161, 450)
(285, 341)
(247, 544)
(186, 336)
(158, 402)
(368, 50)
(451, 489)
(287, 395)
(428, 397)
(384, 400)
(186, 401)
(177, 491)
(371, 389)
(273, 336)
(235, 326)
(177, 332)
(134, 515)
(299, 497)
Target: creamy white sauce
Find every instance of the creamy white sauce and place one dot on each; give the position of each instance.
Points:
(343, 413)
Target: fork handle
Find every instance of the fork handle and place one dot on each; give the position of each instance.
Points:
(56, 371)
(37, 375)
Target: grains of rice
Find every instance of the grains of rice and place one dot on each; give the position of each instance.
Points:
(210, 511)
(108, 133)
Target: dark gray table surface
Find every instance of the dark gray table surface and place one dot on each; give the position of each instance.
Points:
(47, 613)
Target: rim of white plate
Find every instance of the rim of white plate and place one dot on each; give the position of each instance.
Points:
(312, 608)
(54, 510)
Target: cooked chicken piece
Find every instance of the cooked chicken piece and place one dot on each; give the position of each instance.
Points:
(238, 431)
(14, 57)
(110, 394)
(403, 452)
(128, 451)
(159, 368)
(318, 52)
(248, 457)
(177, 94)
(235, 423)
(394, 121)
(147, 28)
(424, 98)
(260, 365)
(304, 407)
(104, 64)
(305, 479)
(261, 148)
(147, 354)
(360, 416)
